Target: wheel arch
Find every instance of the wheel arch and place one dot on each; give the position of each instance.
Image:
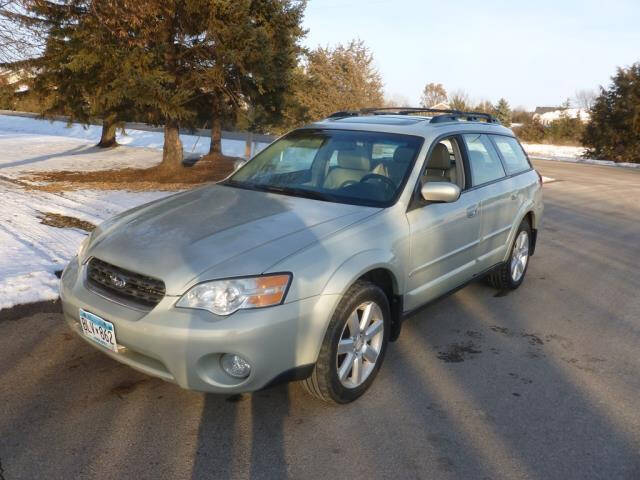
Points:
(378, 267)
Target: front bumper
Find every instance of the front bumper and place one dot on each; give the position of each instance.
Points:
(184, 346)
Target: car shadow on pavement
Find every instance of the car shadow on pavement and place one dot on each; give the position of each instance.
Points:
(242, 436)
(508, 394)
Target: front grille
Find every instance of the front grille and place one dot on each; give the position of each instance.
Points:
(124, 285)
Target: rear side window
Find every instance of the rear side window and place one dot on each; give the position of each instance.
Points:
(514, 158)
(483, 159)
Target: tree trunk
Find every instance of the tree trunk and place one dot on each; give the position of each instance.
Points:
(108, 137)
(172, 153)
(248, 146)
(216, 128)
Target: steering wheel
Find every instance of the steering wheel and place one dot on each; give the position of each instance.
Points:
(374, 176)
(348, 183)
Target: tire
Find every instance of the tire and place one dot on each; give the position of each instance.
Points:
(504, 277)
(326, 382)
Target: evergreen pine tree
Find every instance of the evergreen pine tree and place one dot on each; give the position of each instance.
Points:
(83, 71)
(503, 112)
(251, 51)
(614, 130)
(334, 79)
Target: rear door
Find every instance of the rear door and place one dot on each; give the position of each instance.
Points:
(515, 161)
(489, 182)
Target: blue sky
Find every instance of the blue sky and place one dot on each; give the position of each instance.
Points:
(535, 52)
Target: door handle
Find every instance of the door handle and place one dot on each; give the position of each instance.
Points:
(514, 196)
(472, 211)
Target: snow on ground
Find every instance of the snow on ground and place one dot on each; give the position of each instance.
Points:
(553, 151)
(30, 252)
(30, 144)
(566, 153)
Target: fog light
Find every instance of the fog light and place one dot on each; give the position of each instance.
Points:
(235, 365)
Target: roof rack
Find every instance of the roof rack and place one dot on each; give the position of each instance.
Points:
(444, 115)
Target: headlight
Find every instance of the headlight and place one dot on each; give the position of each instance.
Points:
(223, 297)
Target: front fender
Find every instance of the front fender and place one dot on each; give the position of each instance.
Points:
(359, 264)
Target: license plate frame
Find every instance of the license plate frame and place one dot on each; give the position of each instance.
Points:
(98, 330)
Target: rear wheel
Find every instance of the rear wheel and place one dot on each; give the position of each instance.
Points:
(354, 345)
(510, 275)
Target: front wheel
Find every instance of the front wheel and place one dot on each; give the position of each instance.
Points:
(354, 345)
(510, 275)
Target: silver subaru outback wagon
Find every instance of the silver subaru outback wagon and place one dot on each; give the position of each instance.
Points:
(303, 263)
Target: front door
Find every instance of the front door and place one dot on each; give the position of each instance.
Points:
(444, 239)
(444, 236)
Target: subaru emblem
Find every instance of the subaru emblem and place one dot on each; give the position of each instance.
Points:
(117, 281)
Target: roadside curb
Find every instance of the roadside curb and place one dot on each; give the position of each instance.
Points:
(28, 309)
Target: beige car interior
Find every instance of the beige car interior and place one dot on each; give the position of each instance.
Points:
(442, 165)
(352, 166)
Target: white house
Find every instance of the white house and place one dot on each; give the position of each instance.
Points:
(547, 115)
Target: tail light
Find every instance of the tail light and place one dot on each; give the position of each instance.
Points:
(540, 178)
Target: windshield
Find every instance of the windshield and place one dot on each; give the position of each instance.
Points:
(346, 166)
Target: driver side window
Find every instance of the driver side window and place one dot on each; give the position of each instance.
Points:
(445, 163)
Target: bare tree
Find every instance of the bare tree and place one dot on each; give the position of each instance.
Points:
(398, 100)
(20, 35)
(459, 100)
(433, 94)
(585, 98)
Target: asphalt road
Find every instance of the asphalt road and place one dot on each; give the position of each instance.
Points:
(540, 383)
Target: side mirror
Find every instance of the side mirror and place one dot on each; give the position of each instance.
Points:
(440, 192)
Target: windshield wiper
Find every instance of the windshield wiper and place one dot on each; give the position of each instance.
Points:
(299, 192)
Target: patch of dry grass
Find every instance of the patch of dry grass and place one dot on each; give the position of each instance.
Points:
(210, 168)
(64, 221)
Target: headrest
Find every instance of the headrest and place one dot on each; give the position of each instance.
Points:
(403, 155)
(440, 158)
(353, 159)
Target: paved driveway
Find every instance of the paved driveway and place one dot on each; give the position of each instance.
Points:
(539, 383)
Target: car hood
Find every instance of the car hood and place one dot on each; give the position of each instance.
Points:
(216, 232)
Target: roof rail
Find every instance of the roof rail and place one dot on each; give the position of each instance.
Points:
(444, 115)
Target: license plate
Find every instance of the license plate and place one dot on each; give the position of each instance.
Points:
(98, 330)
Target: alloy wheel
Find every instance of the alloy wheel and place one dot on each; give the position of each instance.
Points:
(360, 344)
(520, 256)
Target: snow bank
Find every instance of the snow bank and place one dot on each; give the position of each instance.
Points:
(30, 252)
(566, 153)
(554, 115)
(133, 138)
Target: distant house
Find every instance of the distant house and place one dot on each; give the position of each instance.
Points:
(15, 78)
(541, 110)
(441, 106)
(547, 115)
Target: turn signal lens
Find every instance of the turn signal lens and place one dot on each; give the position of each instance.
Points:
(268, 291)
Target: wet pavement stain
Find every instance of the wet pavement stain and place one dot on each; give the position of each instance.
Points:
(532, 338)
(126, 387)
(458, 352)
(525, 380)
(503, 330)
